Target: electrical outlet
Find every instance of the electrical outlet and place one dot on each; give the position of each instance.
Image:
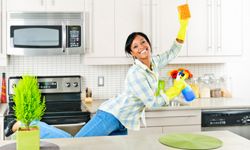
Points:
(100, 81)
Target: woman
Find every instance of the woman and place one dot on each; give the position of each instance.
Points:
(124, 112)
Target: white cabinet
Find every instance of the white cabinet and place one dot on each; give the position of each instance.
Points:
(167, 121)
(102, 31)
(112, 22)
(165, 25)
(215, 29)
(3, 56)
(45, 5)
(128, 19)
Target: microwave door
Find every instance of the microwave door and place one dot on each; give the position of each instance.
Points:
(36, 40)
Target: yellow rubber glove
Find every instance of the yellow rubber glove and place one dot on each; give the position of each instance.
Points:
(183, 29)
(176, 89)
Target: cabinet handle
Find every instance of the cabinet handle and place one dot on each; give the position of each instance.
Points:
(70, 125)
(219, 25)
(53, 2)
(209, 16)
(42, 2)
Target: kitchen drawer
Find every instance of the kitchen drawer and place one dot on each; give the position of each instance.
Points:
(172, 113)
(174, 120)
(186, 128)
(173, 117)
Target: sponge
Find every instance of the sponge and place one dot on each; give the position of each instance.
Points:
(184, 11)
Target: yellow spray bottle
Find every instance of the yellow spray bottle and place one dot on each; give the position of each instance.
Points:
(187, 92)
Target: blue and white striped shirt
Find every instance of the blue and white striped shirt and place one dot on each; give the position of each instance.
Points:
(140, 86)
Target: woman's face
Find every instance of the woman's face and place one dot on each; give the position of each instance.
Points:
(140, 48)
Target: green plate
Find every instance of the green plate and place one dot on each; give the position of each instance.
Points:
(190, 141)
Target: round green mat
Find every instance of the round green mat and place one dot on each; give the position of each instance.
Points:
(190, 141)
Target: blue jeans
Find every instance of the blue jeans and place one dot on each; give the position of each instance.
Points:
(102, 124)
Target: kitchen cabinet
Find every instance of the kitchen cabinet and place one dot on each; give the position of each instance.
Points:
(45, 5)
(3, 55)
(112, 21)
(214, 31)
(168, 121)
(223, 27)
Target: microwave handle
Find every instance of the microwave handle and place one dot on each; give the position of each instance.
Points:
(64, 35)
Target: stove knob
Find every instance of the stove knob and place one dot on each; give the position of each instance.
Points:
(75, 84)
(67, 84)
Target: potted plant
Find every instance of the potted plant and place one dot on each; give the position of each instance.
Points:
(29, 106)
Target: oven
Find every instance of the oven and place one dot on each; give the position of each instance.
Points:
(62, 98)
(235, 120)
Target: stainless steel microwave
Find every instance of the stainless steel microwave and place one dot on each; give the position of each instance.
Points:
(38, 33)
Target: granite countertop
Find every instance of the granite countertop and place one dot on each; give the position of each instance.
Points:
(230, 141)
(204, 104)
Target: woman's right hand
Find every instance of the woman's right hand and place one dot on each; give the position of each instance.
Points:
(176, 89)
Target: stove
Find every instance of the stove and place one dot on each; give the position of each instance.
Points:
(62, 97)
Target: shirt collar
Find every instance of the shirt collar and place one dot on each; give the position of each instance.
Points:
(142, 65)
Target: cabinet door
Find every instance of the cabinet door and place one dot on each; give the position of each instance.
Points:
(102, 32)
(230, 27)
(165, 25)
(65, 5)
(3, 56)
(200, 39)
(128, 19)
(26, 5)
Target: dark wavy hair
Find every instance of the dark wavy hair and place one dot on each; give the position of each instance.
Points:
(131, 38)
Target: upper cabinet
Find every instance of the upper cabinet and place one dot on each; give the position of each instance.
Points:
(3, 56)
(215, 29)
(45, 5)
(111, 22)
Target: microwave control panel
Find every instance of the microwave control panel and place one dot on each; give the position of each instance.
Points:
(73, 36)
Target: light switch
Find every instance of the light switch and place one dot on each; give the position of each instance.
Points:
(100, 80)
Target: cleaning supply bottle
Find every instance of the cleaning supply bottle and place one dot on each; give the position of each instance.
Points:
(3, 92)
(187, 92)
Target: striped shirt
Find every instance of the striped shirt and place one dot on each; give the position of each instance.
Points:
(140, 86)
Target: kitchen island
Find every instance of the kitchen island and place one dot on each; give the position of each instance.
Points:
(184, 118)
(230, 141)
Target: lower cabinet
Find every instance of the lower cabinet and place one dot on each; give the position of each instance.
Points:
(169, 121)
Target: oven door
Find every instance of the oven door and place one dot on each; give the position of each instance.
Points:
(35, 40)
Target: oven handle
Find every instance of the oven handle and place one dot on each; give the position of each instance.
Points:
(64, 34)
(73, 124)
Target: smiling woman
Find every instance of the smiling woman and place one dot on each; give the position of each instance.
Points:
(124, 111)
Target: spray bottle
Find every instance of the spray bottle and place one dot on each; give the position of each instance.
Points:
(187, 92)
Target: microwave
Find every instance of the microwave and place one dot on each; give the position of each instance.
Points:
(50, 33)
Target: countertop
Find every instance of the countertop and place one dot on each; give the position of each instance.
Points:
(203, 104)
(230, 140)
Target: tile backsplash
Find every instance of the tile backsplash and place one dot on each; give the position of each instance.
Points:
(114, 75)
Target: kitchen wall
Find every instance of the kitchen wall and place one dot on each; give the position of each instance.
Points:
(114, 75)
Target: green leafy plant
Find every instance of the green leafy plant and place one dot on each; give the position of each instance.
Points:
(28, 103)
